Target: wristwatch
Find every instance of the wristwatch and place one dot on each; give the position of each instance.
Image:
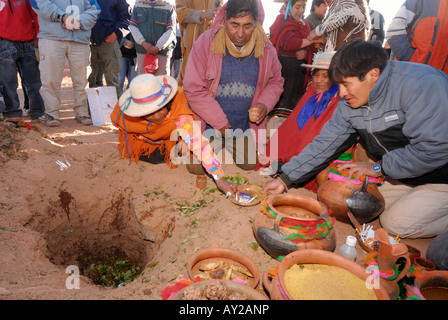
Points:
(377, 169)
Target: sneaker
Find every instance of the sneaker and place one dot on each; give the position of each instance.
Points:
(39, 119)
(86, 121)
(16, 119)
(50, 121)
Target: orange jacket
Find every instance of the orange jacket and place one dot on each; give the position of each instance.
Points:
(423, 38)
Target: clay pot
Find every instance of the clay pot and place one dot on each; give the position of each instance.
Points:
(413, 253)
(387, 258)
(271, 233)
(334, 195)
(276, 286)
(424, 264)
(230, 256)
(433, 285)
(201, 181)
(232, 286)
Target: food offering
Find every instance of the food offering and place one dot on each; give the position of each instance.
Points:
(218, 290)
(223, 264)
(324, 282)
(223, 270)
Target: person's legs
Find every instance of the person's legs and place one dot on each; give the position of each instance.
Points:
(94, 66)
(52, 55)
(110, 62)
(125, 66)
(132, 70)
(437, 251)
(2, 101)
(244, 153)
(164, 66)
(140, 60)
(154, 158)
(419, 213)
(78, 59)
(31, 82)
(9, 54)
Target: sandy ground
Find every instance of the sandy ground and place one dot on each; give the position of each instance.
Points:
(51, 218)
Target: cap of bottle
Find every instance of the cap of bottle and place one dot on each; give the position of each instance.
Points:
(351, 241)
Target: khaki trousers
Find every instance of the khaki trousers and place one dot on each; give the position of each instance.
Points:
(107, 57)
(52, 55)
(415, 212)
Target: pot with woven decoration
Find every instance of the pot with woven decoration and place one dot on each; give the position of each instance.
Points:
(291, 222)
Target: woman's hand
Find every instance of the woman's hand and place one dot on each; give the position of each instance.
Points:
(226, 186)
(312, 35)
(147, 140)
(301, 54)
(321, 40)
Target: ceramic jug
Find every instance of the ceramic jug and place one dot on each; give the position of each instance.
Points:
(387, 259)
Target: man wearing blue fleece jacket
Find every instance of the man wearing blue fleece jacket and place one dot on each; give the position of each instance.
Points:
(399, 111)
(105, 41)
(64, 33)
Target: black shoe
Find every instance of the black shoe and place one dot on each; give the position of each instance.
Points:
(50, 121)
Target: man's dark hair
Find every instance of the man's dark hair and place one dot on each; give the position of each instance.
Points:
(241, 8)
(356, 58)
(316, 3)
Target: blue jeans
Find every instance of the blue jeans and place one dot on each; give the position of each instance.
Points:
(2, 101)
(15, 56)
(128, 69)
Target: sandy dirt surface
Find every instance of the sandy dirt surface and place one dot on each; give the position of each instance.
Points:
(51, 219)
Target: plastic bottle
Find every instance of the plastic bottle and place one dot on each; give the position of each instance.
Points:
(348, 249)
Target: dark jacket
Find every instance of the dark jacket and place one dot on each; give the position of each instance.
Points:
(114, 16)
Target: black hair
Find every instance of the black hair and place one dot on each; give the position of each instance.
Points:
(316, 3)
(356, 58)
(294, 1)
(241, 8)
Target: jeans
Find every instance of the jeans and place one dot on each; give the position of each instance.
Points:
(128, 69)
(20, 56)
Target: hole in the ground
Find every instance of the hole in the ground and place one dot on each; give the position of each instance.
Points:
(108, 259)
(104, 245)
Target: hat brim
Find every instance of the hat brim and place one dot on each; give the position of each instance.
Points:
(133, 109)
(314, 66)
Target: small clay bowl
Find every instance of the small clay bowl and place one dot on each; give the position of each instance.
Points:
(232, 286)
(251, 189)
(233, 257)
(425, 264)
(413, 253)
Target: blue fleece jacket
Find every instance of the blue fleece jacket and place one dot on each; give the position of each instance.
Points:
(50, 13)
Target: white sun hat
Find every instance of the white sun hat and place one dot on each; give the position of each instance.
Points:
(146, 94)
(321, 60)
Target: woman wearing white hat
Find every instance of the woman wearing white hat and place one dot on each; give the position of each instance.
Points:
(153, 117)
(305, 122)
